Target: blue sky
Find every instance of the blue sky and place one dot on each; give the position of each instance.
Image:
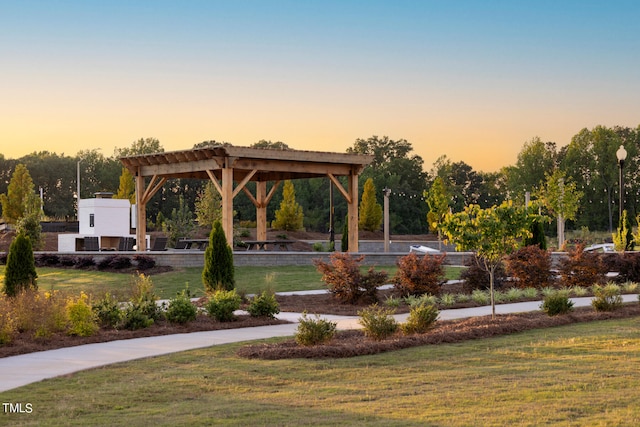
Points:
(472, 80)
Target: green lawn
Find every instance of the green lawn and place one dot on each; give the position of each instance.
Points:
(248, 279)
(584, 374)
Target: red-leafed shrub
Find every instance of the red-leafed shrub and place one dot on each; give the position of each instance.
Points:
(531, 267)
(581, 268)
(346, 282)
(418, 275)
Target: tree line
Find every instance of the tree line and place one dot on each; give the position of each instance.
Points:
(588, 165)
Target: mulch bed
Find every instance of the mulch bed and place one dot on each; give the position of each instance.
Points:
(353, 342)
(25, 343)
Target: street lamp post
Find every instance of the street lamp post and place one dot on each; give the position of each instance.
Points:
(621, 154)
(386, 192)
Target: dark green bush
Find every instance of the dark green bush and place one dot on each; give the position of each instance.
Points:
(116, 262)
(142, 310)
(144, 262)
(20, 272)
(85, 262)
(556, 303)
(67, 261)
(218, 272)
(377, 322)
(108, 311)
(222, 304)
(264, 305)
(421, 318)
(47, 260)
(314, 331)
(180, 309)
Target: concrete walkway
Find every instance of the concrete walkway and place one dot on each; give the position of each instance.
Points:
(17, 371)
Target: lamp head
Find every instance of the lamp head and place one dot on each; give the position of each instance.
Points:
(621, 154)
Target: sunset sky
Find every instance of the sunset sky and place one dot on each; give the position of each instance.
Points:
(472, 80)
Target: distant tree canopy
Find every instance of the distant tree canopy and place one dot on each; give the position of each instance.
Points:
(589, 161)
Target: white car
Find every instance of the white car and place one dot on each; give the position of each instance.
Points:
(423, 249)
(602, 247)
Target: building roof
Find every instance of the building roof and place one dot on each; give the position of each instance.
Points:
(264, 164)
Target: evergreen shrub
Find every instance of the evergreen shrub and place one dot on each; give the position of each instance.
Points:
(180, 309)
(314, 331)
(421, 318)
(218, 272)
(378, 322)
(556, 303)
(264, 305)
(607, 297)
(20, 272)
(222, 304)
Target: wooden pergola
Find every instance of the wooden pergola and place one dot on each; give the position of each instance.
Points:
(231, 168)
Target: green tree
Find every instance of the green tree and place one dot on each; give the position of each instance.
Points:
(140, 146)
(289, 217)
(20, 272)
(562, 198)
(277, 145)
(534, 160)
(19, 198)
(29, 223)
(218, 271)
(492, 233)
(370, 211)
(180, 224)
(208, 206)
(438, 202)
(344, 241)
(395, 166)
(127, 188)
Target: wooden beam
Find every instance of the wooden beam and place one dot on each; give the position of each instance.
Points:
(153, 188)
(215, 181)
(244, 182)
(250, 196)
(340, 188)
(227, 203)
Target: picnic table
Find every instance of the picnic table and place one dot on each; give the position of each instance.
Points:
(263, 244)
(194, 244)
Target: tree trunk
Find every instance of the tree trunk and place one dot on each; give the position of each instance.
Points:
(493, 301)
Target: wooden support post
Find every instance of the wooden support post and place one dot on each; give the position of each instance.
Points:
(141, 214)
(261, 210)
(353, 213)
(227, 202)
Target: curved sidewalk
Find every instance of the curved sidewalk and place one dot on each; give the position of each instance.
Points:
(17, 371)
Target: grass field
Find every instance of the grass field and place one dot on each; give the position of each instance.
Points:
(248, 279)
(584, 374)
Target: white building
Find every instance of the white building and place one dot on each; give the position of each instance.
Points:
(107, 219)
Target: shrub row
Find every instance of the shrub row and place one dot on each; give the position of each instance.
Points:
(110, 262)
(44, 314)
